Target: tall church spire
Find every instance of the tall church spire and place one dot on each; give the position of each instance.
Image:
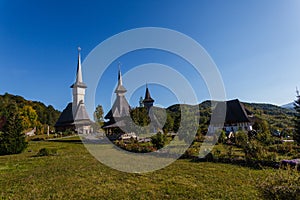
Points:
(120, 108)
(79, 72)
(79, 81)
(120, 81)
(78, 87)
(120, 88)
(75, 116)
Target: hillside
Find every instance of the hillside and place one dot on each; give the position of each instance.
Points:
(34, 113)
(277, 117)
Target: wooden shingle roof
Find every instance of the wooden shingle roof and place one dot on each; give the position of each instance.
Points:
(235, 112)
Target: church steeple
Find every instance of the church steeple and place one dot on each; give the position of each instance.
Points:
(75, 117)
(79, 82)
(78, 87)
(79, 72)
(120, 90)
(120, 108)
(148, 101)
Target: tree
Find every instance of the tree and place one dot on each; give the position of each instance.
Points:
(168, 126)
(296, 135)
(138, 121)
(12, 140)
(29, 117)
(98, 115)
(261, 125)
(263, 131)
(189, 123)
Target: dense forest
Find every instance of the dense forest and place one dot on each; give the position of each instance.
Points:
(33, 114)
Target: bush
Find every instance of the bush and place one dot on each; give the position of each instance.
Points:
(191, 152)
(283, 184)
(68, 132)
(159, 140)
(222, 137)
(241, 138)
(229, 151)
(254, 151)
(134, 146)
(47, 152)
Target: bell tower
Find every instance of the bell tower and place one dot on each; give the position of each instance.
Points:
(78, 87)
(148, 101)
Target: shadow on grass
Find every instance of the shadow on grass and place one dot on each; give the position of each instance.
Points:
(253, 164)
(74, 141)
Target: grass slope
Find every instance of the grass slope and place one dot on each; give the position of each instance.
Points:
(75, 174)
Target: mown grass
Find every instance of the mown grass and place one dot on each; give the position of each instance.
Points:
(74, 174)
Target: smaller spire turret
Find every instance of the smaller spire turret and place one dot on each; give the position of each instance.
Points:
(147, 95)
(148, 101)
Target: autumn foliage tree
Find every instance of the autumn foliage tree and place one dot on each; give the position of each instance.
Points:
(29, 118)
(34, 114)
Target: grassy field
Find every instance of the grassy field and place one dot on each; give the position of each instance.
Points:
(74, 174)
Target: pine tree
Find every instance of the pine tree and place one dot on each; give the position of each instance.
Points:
(12, 140)
(296, 135)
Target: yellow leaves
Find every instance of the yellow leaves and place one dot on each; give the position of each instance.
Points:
(29, 117)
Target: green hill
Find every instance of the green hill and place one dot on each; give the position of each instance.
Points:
(34, 113)
(277, 117)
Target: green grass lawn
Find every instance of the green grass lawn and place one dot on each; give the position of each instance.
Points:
(74, 174)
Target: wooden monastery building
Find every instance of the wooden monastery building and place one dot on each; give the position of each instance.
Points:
(119, 122)
(119, 115)
(237, 117)
(75, 117)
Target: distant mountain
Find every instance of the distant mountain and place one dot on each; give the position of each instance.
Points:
(288, 106)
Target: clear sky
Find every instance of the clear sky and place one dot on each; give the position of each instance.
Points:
(255, 44)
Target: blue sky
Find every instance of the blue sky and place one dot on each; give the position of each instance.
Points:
(255, 44)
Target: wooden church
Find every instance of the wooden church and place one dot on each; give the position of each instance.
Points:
(119, 115)
(118, 118)
(75, 117)
(237, 117)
